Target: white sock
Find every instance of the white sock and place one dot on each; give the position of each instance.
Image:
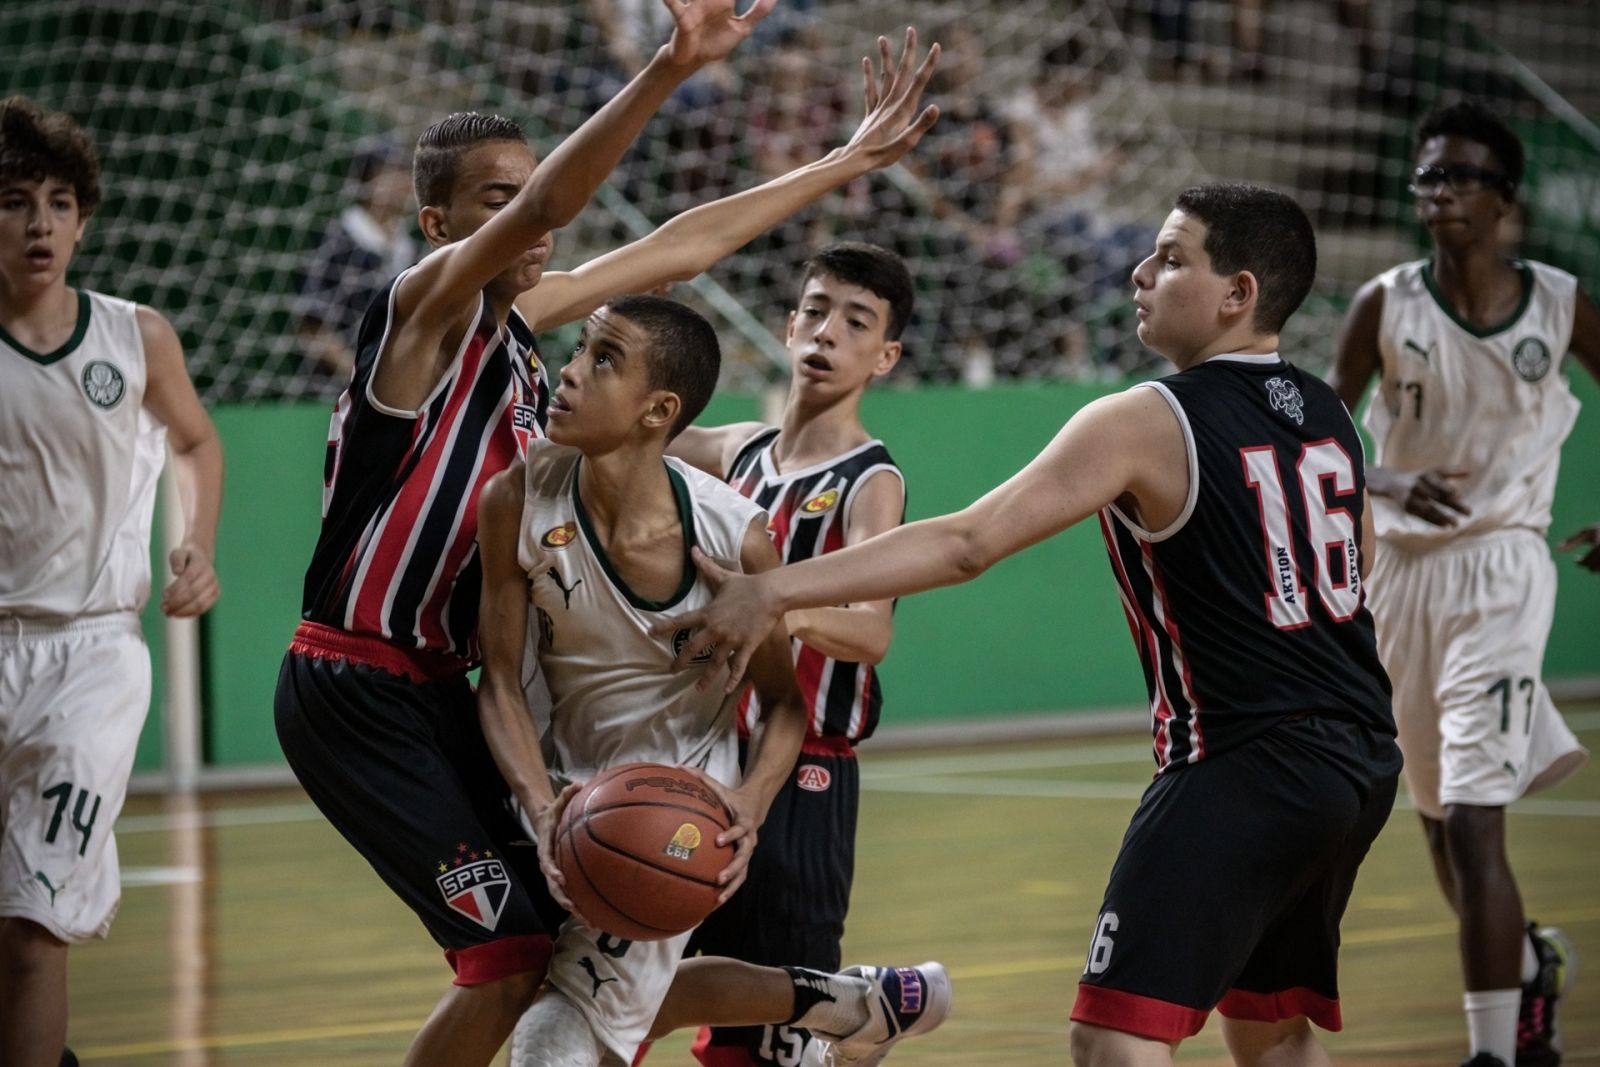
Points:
(1530, 959)
(554, 1033)
(1492, 1022)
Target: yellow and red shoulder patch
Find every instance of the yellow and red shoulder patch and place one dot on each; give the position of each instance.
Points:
(559, 536)
(821, 502)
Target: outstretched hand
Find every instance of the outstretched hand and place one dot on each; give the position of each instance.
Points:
(1588, 537)
(741, 614)
(705, 31)
(892, 125)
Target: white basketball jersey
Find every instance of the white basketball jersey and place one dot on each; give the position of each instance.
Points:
(1492, 401)
(611, 697)
(79, 461)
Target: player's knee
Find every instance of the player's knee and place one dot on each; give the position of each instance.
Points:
(1474, 836)
(1289, 1043)
(555, 1033)
(26, 947)
(1101, 1046)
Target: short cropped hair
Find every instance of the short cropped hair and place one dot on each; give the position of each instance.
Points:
(1472, 120)
(877, 270)
(684, 357)
(36, 144)
(1260, 230)
(441, 146)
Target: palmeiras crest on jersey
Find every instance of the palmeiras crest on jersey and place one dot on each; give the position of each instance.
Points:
(1285, 397)
(103, 384)
(476, 887)
(1531, 359)
(681, 638)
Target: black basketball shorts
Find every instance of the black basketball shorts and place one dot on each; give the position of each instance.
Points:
(791, 908)
(1231, 882)
(399, 766)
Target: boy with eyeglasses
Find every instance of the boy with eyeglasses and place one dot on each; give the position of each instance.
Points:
(1469, 419)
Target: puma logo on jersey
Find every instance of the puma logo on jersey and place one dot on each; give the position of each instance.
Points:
(821, 502)
(588, 965)
(1425, 353)
(566, 591)
(559, 536)
(1285, 397)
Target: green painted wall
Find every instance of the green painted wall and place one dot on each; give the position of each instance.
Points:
(1041, 631)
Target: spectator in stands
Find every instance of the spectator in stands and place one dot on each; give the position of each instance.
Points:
(369, 243)
(1065, 172)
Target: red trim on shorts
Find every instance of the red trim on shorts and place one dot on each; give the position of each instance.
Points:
(494, 960)
(414, 664)
(826, 745)
(711, 1055)
(1135, 1014)
(644, 1050)
(1284, 1004)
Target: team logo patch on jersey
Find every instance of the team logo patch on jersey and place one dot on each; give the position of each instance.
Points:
(559, 536)
(103, 384)
(813, 779)
(684, 842)
(681, 638)
(1531, 359)
(477, 889)
(1285, 397)
(821, 502)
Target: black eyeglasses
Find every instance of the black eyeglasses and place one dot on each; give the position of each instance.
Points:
(1460, 177)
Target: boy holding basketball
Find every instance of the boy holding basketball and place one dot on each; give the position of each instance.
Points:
(596, 529)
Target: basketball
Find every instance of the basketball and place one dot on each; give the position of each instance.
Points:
(638, 848)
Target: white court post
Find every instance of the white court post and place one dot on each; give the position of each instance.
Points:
(180, 704)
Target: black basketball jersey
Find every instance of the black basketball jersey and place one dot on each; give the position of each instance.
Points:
(1250, 608)
(808, 512)
(397, 557)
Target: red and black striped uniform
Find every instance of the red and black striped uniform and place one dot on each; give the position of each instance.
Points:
(1274, 740)
(373, 708)
(397, 557)
(792, 906)
(810, 510)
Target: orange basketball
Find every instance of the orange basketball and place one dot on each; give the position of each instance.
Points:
(638, 848)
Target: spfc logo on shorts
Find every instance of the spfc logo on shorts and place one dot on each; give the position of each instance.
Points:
(1285, 397)
(477, 890)
(1531, 359)
(559, 536)
(821, 502)
(813, 779)
(103, 384)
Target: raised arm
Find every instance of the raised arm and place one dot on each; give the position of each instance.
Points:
(704, 31)
(858, 633)
(1129, 444)
(712, 448)
(691, 242)
(170, 398)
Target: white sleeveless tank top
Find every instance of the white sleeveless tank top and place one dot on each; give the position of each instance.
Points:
(79, 462)
(1493, 401)
(598, 680)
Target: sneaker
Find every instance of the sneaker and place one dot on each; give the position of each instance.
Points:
(1538, 1035)
(902, 1002)
(1484, 1059)
(68, 1059)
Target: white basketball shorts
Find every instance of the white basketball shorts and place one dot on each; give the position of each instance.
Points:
(1462, 630)
(617, 984)
(73, 698)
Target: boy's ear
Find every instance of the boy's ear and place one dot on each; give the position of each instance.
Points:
(432, 223)
(1243, 292)
(887, 358)
(662, 409)
(788, 329)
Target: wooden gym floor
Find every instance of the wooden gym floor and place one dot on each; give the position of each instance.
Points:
(251, 934)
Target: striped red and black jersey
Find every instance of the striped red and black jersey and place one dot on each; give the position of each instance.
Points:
(397, 557)
(1250, 607)
(809, 512)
